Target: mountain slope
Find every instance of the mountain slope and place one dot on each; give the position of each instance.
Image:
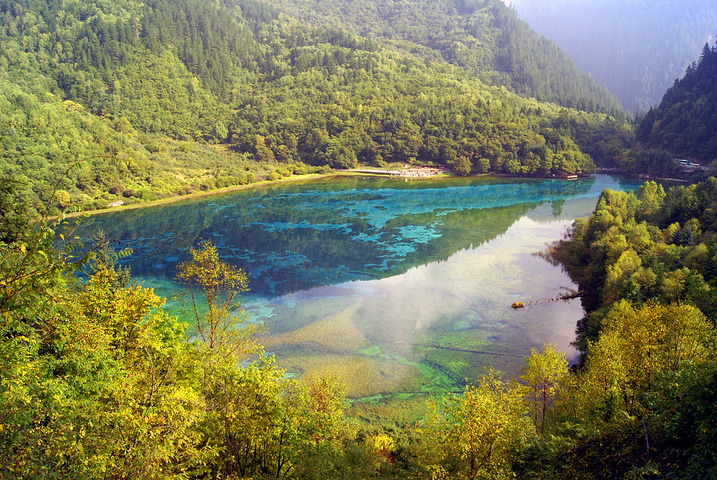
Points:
(685, 122)
(105, 101)
(483, 36)
(635, 48)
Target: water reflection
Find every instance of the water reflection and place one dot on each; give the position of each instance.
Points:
(447, 320)
(397, 286)
(299, 236)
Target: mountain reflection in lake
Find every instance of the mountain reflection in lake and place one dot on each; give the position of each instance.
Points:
(397, 287)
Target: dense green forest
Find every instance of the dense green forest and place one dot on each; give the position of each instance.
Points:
(635, 48)
(684, 123)
(135, 101)
(97, 381)
(644, 258)
(483, 36)
(682, 126)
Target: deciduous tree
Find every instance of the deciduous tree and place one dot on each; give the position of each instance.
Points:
(214, 287)
(477, 434)
(546, 375)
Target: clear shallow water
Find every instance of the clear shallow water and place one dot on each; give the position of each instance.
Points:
(398, 287)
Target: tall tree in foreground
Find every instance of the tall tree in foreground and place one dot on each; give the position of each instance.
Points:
(546, 375)
(214, 288)
(81, 363)
(479, 433)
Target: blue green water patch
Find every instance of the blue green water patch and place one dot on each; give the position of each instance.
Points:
(292, 237)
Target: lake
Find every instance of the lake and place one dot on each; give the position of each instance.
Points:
(398, 287)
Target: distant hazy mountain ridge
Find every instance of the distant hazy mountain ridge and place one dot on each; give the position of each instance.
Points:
(635, 48)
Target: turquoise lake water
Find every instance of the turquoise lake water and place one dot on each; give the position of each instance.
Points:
(399, 287)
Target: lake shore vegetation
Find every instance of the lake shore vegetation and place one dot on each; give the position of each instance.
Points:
(134, 102)
(126, 102)
(84, 361)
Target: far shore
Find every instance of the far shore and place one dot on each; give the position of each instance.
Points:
(206, 193)
(235, 188)
(362, 172)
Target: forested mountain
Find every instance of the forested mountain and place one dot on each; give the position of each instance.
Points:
(483, 36)
(104, 100)
(685, 122)
(635, 48)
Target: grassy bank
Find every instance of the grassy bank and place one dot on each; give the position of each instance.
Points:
(358, 172)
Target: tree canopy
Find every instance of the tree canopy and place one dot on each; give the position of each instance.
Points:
(87, 360)
(684, 122)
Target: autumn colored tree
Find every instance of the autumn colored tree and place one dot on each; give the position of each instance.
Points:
(214, 287)
(638, 348)
(322, 432)
(546, 375)
(246, 420)
(87, 362)
(477, 434)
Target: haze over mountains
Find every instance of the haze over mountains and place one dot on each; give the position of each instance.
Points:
(483, 37)
(635, 48)
(685, 122)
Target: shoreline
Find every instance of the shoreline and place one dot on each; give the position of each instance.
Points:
(362, 172)
(236, 188)
(179, 198)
